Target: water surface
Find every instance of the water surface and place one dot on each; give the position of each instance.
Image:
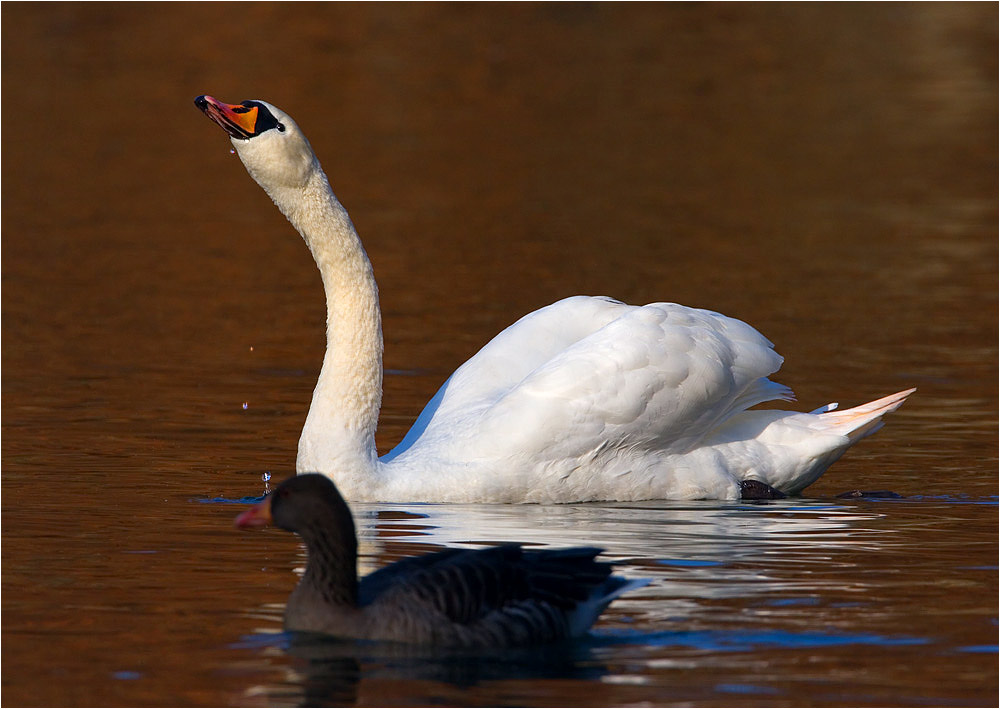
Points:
(824, 172)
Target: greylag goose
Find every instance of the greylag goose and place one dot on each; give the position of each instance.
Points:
(502, 596)
(585, 399)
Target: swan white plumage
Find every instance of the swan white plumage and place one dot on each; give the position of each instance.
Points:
(586, 399)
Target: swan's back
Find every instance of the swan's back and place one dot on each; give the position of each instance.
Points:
(587, 381)
(505, 361)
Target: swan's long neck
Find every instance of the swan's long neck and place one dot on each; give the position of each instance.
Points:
(339, 434)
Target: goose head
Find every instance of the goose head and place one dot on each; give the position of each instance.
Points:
(302, 502)
(269, 143)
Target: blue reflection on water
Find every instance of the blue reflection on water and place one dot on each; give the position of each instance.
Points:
(979, 648)
(744, 640)
(716, 640)
(688, 562)
(808, 601)
(229, 501)
(745, 689)
(126, 675)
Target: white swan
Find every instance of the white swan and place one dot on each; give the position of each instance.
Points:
(586, 399)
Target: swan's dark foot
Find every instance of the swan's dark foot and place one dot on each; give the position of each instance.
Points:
(756, 490)
(870, 495)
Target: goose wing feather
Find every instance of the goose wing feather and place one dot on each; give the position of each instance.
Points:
(502, 594)
(372, 586)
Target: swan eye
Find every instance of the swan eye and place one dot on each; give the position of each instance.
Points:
(265, 120)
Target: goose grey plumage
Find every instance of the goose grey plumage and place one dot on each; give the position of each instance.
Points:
(502, 596)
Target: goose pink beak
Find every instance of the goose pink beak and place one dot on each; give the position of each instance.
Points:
(257, 516)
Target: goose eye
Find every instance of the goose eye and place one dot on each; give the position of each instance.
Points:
(281, 127)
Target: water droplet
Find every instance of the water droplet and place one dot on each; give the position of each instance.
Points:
(266, 477)
(245, 405)
(251, 348)
(232, 151)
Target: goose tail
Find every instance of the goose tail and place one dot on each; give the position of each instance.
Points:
(587, 612)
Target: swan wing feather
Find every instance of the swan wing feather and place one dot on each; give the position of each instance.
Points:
(656, 377)
(507, 359)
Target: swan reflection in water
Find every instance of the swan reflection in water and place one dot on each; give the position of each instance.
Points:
(689, 530)
(692, 551)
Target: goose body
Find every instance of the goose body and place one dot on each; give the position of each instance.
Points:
(585, 399)
(495, 597)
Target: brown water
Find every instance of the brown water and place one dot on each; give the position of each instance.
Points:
(826, 172)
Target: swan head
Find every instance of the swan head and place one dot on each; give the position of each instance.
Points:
(267, 140)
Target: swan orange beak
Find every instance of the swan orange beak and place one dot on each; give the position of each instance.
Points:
(238, 120)
(257, 516)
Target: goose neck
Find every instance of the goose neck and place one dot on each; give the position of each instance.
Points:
(331, 568)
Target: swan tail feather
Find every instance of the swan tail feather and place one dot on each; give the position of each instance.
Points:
(861, 421)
